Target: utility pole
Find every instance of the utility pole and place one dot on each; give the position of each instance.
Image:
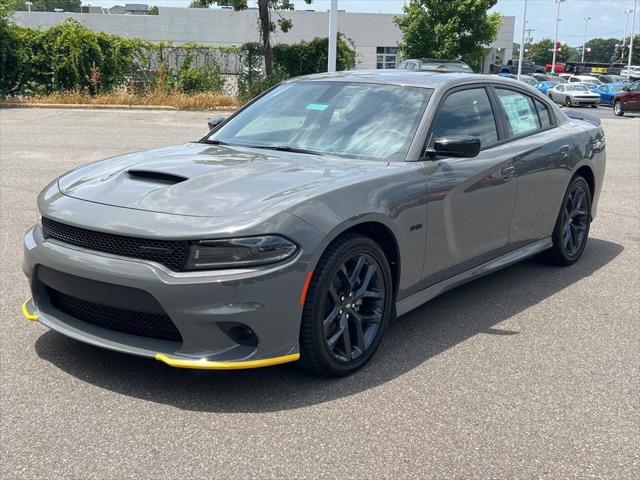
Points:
(633, 26)
(584, 41)
(555, 41)
(333, 36)
(529, 38)
(524, 26)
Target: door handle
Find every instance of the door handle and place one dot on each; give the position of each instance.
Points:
(508, 172)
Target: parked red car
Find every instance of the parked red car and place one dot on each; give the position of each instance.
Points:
(560, 67)
(628, 100)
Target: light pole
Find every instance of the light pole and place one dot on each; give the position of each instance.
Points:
(584, 42)
(626, 25)
(333, 34)
(28, 4)
(633, 25)
(524, 26)
(555, 41)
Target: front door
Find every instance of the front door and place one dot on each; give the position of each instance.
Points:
(470, 200)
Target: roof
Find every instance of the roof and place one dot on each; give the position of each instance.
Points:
(410, 78)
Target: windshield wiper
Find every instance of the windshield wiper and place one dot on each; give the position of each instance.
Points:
(285, 148)
(213, 142)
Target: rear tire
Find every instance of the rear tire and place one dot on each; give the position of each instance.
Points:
(617, 108)
(348, 307)
(571, 231)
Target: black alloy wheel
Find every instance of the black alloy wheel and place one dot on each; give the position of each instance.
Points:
(572, 226)
(354, 307)
(347, 308)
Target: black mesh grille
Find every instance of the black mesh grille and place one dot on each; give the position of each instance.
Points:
(171, 253)
(118, 319)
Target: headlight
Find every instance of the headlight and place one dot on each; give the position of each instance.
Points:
(239, 252)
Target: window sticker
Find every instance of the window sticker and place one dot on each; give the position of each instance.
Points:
(521, 117)
(317, 106)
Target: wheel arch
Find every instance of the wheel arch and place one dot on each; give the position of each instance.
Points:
(586, 172)
(379, 229)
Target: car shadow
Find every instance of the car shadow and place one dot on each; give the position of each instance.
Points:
(472, 309)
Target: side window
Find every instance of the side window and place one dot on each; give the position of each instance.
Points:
(635, 87)
(466, 112)
(522, 117)
(544, 114)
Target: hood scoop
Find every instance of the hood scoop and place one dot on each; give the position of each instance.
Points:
(156, 177)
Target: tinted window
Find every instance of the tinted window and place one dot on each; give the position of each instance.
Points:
(467, 112)
(520, 111)
(544, 114)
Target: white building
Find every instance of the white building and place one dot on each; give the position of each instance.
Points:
(375, 35)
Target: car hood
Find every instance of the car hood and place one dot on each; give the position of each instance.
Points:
(204, 180)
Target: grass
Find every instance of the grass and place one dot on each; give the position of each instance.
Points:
(182, 101)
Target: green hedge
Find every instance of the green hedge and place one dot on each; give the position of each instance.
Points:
(305, 58)
(63, 57)
(70, 56)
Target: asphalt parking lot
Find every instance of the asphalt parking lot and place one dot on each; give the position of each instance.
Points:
(532, 372)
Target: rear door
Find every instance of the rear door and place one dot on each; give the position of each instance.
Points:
(543, 156)
(470, 201)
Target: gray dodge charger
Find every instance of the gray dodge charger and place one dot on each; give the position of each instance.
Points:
(302, 224)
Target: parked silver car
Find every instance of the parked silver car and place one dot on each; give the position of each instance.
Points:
(299, 226)
(574, 95)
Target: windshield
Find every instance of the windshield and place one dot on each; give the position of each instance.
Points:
(576, 87)
(357, 120)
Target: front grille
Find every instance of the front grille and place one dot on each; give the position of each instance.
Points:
(121, 320)
(171, 253)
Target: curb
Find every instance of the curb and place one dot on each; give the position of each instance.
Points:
(90, 106)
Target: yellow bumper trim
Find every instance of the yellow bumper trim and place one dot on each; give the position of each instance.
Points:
(28, 315)
(207, 365)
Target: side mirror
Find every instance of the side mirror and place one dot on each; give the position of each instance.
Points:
(213, 122)
(464, 146)
(625, 88)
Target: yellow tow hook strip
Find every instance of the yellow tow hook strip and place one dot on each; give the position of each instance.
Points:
(208, 365)
(27, 314)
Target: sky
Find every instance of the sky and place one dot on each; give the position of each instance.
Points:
(607, 16)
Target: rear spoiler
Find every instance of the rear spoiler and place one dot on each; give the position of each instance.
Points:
(578, 115)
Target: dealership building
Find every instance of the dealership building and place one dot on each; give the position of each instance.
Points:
(374, 35)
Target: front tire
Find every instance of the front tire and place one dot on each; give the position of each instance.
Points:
(347, 308)
(571, 231)
(567, 101)
(617, 108)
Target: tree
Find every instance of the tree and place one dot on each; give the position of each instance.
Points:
(542, 52)
(265, 9)
(603, 50)
(7, 7)
(50, 5)
(153, 10)
(451, 29)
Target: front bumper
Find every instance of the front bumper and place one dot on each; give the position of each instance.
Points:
(201, 306)
(582, 102)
